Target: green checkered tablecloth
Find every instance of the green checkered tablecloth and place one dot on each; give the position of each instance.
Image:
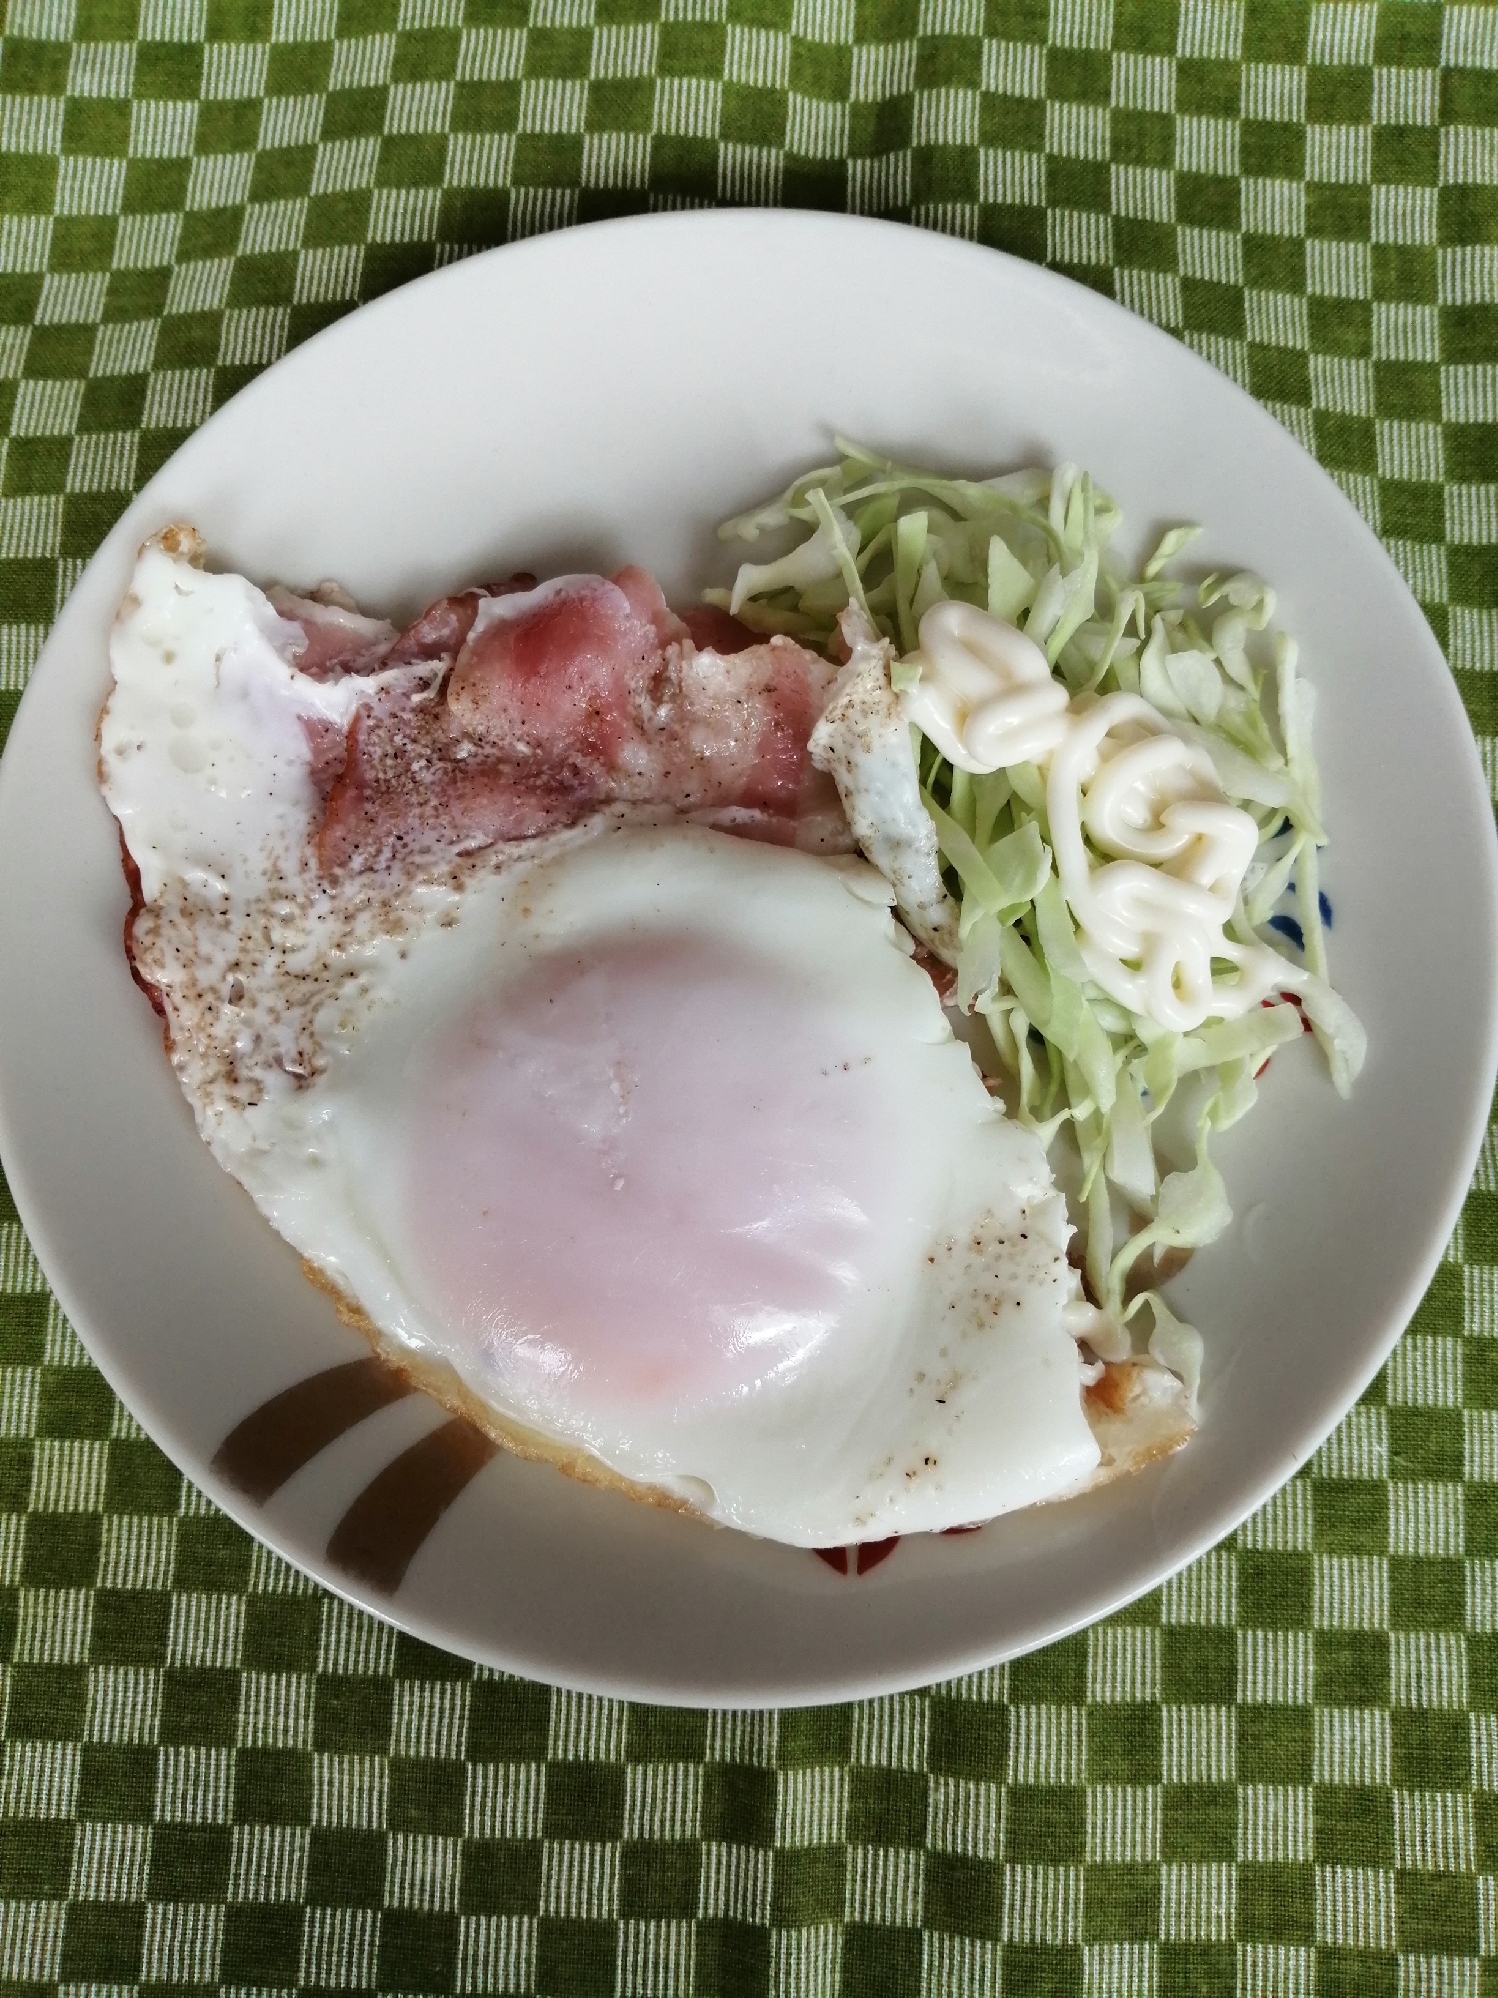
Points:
(1277, 1776)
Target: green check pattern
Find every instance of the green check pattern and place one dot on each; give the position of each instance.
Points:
(1278, 1776)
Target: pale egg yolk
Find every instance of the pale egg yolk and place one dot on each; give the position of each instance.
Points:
(662, 1168)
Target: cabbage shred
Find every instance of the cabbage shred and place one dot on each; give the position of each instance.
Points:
(1034, 548)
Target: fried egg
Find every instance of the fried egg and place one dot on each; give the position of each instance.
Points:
(653, 1141)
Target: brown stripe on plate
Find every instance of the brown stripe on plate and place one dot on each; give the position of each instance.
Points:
(377, 1538)
(288, 1431)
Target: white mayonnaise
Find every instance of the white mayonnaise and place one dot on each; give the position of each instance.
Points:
(1150, 918)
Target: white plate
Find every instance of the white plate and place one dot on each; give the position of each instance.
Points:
(606, 395)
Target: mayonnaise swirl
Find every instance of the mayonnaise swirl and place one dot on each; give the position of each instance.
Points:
(985, 697)
(1150, 918)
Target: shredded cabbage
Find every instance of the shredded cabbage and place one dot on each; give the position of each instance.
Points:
(1034, 548)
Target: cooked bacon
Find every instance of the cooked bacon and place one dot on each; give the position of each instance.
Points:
(645, 600)
(547, 677)
(577, 694)
(328, 743)
(745, 718)
(942, 976)
(412, 779)
(713, 630)
(438, 633)
(331, 640)
(443, 627)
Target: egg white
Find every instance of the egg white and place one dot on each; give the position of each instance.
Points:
(925, 1373)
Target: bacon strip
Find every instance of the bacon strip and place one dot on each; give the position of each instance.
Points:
(526, 710)
(332, 639)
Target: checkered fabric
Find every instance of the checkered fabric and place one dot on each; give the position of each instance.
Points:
(1279, 1775)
